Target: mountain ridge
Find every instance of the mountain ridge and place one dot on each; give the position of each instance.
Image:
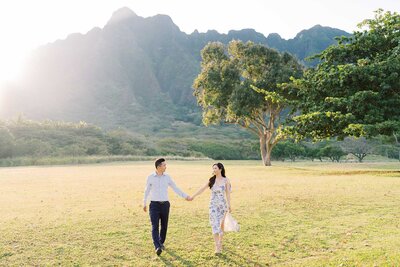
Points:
(134, 73)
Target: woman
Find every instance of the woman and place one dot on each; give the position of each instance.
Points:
(219, 205)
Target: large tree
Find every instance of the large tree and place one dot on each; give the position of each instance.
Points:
(240, 83)
(355, 90)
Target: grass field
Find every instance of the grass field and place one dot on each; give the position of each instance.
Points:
(291, 214)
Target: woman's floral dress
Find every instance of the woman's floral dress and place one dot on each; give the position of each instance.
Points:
(218, 207)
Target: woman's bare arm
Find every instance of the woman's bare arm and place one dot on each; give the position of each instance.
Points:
(201, 190)
(228, 194)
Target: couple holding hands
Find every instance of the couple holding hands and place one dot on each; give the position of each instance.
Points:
(157, 188)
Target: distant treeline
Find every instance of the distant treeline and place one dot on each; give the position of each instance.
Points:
(24, 138)
(27, 142)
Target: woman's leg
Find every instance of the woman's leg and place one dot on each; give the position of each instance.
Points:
(216, 240)
(221, 234)
(220, 241)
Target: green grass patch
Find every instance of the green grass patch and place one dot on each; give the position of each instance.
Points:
(291, 214)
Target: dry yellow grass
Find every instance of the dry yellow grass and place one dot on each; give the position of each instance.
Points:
(291, 214)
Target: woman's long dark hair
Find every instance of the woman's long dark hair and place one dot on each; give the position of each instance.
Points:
(211, 182)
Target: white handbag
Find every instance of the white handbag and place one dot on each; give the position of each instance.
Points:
(230, 224)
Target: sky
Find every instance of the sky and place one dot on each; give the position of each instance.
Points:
(27, 24)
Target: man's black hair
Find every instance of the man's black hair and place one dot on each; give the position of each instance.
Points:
(158, 162)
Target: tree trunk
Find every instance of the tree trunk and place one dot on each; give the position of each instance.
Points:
(268, 158)
(265, 151)
(359, 156)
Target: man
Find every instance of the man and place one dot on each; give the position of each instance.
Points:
(157, 187)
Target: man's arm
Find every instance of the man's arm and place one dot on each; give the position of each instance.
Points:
(179, 192)
(146, 193)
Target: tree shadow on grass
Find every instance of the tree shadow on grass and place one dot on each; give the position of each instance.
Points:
(229, 256)
(176, 257)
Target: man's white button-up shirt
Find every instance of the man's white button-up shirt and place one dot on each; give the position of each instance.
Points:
(157, 188)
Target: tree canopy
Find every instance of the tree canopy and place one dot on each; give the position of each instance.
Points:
(355, 90)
